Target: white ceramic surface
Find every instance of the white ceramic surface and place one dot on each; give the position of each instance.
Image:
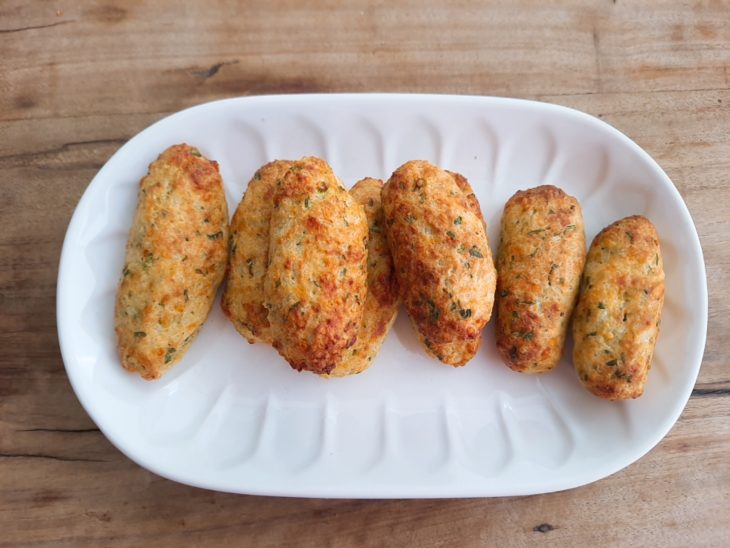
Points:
(234, 417)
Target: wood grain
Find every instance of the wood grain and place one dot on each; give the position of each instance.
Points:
(79, 79)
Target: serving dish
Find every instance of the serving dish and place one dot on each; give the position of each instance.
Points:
(234, 417)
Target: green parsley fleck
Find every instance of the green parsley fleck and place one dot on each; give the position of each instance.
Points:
(434, 312)
(169, 353)
(147, 261)
(474, 252)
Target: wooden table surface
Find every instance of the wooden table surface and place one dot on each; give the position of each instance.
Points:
(78, 79)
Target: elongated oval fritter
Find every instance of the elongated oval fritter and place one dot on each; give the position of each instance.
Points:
(539, 264)
(381, 303)
(442, 258)
(243, 298)
(616, 321)
(316, 283)
(175, 260)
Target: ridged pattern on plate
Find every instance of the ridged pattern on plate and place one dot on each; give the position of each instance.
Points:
(235, 417)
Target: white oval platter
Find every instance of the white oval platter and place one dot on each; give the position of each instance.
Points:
(234, 417)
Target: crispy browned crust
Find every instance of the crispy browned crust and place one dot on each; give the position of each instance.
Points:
(540, 260)
(471, 198)
(381, 303)
(175, 260)
(442, 258)
(317, 277)
(243, 297)
(616, 321)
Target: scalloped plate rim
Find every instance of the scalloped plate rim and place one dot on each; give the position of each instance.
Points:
(381, 491)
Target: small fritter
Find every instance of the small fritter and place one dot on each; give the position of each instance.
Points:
(616, 321)
(381, 303)
(540, 260)
(441, 254)
(175, 260)
(243, 298)
(316, 283)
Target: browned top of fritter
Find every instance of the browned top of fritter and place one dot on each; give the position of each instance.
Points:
(617, 317)
(442, 258)
(471, 198)
(175, 260)
(243, 299)
(317, 280)
(381, 303)
(540, 260)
